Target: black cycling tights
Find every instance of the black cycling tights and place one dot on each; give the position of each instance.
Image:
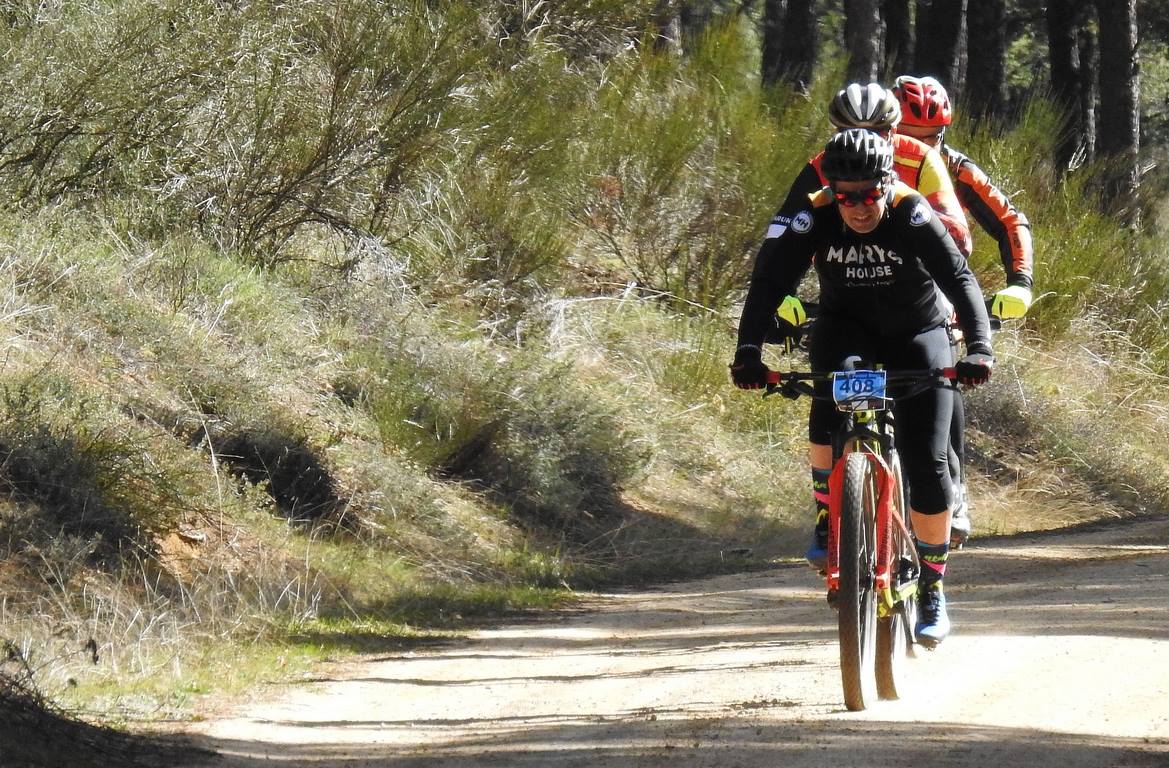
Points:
(923, 421)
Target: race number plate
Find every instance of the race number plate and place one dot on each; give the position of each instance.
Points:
(859, 390)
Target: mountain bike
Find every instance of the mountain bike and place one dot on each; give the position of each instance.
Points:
(873, 567)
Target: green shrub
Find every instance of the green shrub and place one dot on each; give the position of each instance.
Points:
(685, 164)
(94, 93)
(522, 427)
(556, 451)
(251, 122)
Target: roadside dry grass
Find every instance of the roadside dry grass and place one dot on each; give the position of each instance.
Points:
(1064, 434)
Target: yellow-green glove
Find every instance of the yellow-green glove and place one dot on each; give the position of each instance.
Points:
(792, 310)
(1011, 302)
(788, 318)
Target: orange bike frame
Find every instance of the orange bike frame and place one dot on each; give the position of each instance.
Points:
(888, 516)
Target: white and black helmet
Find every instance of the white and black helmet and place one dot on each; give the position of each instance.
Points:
(856, 154)
(864, 106)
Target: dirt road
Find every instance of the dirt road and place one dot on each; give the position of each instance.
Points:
(1059, 658)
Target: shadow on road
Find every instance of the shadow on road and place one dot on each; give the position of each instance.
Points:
(723, 743)
(1053, 664)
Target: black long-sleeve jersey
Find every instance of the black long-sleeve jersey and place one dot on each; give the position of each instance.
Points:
(887, 280)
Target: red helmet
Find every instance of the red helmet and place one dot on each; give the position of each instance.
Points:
(923, 102)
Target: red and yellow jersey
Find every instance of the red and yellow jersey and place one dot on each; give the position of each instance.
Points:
(994, 212)
(922, 168)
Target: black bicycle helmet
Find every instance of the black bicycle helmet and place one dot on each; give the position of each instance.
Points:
(864, 106)
(856, 154)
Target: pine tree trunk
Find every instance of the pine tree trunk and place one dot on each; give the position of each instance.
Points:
(799, 43)
(664, 32)
(694, 17)
(986, 58)
(1119, 128)
(772, 31)
(1089, 57)
(862, 32)
(1063, 24)
(898, 38)
(941, 40)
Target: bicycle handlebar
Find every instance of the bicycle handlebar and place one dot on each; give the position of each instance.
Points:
(792, 384)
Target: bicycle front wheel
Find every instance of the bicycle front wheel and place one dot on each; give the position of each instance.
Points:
(857, 598)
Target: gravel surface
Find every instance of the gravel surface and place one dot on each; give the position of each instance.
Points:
(1059, 659)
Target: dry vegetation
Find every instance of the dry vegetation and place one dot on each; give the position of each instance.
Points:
(352, 328)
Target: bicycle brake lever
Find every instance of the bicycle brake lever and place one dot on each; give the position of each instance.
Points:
(786, 389)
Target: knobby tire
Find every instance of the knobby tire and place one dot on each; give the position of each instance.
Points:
(857, 599)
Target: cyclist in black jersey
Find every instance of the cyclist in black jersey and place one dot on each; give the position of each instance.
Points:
(886, 268)
(923, 168)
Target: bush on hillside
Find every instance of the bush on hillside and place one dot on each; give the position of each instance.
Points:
(77, 470)
(684, 162)
(249, 121)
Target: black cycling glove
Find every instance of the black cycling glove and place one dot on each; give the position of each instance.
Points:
(748, 370)
(976, 367)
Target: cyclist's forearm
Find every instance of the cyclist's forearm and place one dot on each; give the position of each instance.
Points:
(966, 296)
(758, 311)
(777, 273)
(990, 207)
(1017, 255)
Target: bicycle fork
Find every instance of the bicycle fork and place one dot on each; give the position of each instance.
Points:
(894, 572)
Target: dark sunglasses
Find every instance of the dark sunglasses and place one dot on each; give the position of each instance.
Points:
(868, 196)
